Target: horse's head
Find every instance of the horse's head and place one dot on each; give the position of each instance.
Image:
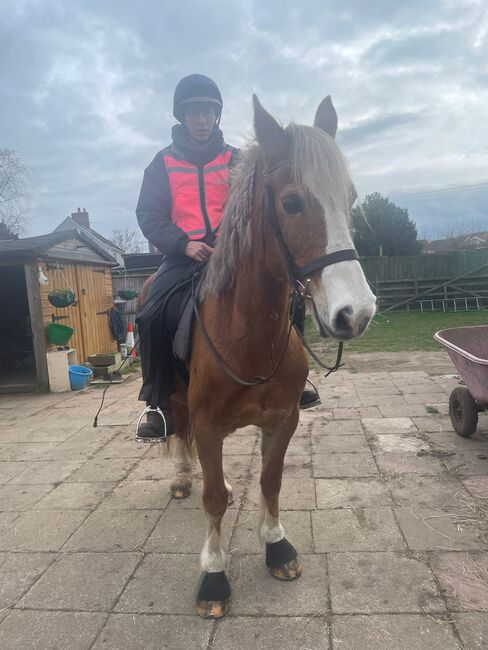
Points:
(312, 195)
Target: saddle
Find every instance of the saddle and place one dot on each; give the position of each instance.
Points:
(184, 317)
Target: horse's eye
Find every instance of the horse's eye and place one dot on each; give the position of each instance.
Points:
(292, 204)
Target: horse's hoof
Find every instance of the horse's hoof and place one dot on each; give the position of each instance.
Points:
(213, 608)
(213, 598)
(282, 560)
(180, 489)
(288, 571)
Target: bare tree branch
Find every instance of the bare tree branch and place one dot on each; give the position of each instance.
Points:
(14, 197)
(129, 241)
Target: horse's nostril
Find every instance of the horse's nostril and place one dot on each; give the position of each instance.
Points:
(342, 320)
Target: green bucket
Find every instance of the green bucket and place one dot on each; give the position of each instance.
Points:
(59, 334)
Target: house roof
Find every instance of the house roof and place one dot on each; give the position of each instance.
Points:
(70, 224)
(40, 245)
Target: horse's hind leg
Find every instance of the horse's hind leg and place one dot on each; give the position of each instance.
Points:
(182, 480)
(281, 556)
(180, 451)
(213, 599)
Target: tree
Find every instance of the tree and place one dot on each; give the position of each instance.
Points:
(384, 228)
(129, 241)
(6, 233)
(14, 198)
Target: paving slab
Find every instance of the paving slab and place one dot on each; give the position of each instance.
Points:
(272, 633)
(402, 410)
(82, 581)
(375, 426)
(138, 495)
(26, 450)
(151, 469)
(393, 632)
(477, 486)
(8, 470)
(101, 469)
(355, 529)
(395, 444)
(37, 630)
(432, 424)
(18, 572)
(75, 496)
(113, 530)
(473, 630)
(444, 493)
(343, 465)
(409, 463)
(296, 494)
(426, 529)
(339, 444)
(467, 463)
(464, 579)
(185, 531)
(255, 592)
(154, 632)
(338, 427)
(351, 493)
(450, 441)
(356, 413)
(162, 584)
(40, 531)
(376, 583)
(49, 471)
(297, 525)
(22, 497)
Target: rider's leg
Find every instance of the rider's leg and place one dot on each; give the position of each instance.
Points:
(156, 353)
(310, 396)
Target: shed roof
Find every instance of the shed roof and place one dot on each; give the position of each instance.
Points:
(39, 246)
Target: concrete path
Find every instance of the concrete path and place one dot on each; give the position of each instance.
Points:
(387, 506)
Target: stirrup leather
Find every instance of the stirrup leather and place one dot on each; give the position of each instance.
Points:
(151, 409)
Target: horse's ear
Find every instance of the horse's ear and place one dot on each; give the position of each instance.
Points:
(270, 135)
(326, 117)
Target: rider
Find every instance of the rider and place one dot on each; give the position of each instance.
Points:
(180, 207)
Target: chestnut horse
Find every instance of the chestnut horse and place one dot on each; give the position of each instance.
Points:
(286, 222)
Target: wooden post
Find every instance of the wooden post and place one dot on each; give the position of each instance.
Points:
(37, 325)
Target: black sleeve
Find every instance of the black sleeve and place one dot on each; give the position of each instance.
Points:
(154, 210)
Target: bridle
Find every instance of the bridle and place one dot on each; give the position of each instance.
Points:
(297, 275)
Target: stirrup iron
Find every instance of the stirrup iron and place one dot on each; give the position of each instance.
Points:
(159, 439)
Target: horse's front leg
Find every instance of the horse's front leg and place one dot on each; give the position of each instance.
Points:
(281, 556)
(213, 599)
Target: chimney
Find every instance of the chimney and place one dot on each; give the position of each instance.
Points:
(81, 217)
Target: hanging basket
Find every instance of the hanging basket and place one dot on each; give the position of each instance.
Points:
(128, 294)
(62, 298)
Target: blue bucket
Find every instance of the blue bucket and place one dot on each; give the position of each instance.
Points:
(79, 377)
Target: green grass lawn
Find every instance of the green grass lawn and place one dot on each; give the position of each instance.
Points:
(400, 331)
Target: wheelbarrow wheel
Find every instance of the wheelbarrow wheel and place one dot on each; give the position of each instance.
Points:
(463, 411)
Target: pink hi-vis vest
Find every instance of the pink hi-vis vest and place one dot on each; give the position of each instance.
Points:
(198, 194)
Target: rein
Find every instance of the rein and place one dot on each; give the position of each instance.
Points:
(295, 274)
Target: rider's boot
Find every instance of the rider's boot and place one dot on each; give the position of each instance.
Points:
(310, 397)
(159, 424)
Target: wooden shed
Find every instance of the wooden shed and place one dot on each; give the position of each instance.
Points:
(68, 260)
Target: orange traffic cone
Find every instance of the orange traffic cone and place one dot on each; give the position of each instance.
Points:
(129, 341)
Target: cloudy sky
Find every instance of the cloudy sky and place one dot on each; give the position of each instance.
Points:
(86, 89)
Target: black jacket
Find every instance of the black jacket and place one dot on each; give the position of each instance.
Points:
(154, 206)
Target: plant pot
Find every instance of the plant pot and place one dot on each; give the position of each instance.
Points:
(128, 294)
(58, 334)
(63, 298)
